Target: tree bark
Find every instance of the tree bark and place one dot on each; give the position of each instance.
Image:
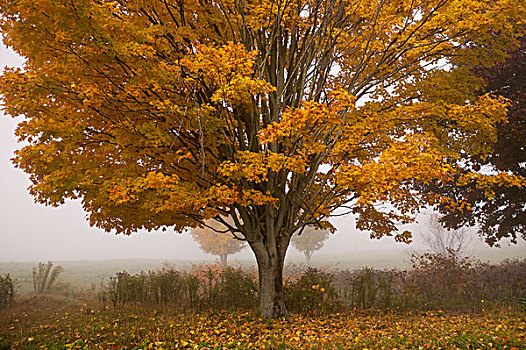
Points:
(270, 268)
(223, 258)
(308, 256)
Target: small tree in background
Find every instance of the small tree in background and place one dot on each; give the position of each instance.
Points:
(446, 242)
(44, 276)
(309, 241)
(214, 240)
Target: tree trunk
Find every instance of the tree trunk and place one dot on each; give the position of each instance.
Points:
(271, 295)
(270, 269)
(224, 260)
(308, 256)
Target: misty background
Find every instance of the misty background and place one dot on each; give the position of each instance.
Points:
(31, 232)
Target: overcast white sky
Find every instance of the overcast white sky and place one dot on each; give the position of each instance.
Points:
(32, 232)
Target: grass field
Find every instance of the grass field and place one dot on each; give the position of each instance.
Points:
(81, 275)
(88, 274)
(53, 322)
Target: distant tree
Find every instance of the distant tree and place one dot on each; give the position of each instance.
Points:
(309, 241)
(44, 276)
(216, 241)
(444, 241)
(501, 214)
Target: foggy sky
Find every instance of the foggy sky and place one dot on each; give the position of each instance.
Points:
(32, 232)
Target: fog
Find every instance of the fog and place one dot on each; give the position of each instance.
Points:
(32, 232)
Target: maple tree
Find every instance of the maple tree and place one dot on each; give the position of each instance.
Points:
(500, 215)
(217, 241)
(275, 114)
(309, 241)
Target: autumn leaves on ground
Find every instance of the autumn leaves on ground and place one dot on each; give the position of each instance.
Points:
(81, 327)
(441, 303)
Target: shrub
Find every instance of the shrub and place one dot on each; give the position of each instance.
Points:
(312, 293)
(44, 276)
(201, 288)
(435, 281)
(368, 288)
(237, 290)
(7, 291)
(504, 282)
(443, 281)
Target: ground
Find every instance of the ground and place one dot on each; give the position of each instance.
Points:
(51, 322)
